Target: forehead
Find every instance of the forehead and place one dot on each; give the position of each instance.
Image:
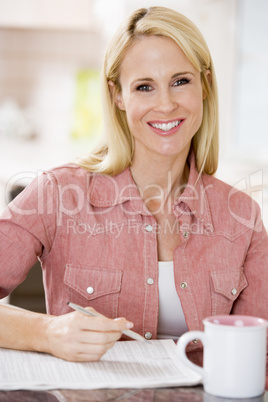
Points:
(151, 53)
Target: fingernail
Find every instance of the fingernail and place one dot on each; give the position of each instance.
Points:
(129, 325)
(119, 319)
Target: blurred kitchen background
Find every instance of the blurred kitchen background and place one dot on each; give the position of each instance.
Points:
(51, 53)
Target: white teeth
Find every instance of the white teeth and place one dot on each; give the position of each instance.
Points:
(168, 126)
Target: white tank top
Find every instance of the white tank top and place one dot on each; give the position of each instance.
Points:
(171, 321)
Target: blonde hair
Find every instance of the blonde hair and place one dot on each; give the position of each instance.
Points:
(115, 151)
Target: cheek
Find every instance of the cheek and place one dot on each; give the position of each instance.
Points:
(198, 108)
(135, 111)
(195, 106)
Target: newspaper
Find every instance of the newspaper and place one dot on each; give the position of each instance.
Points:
(129, 364)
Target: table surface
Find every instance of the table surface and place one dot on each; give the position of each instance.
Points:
(185, 394)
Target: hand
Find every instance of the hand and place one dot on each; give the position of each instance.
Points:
(78, 337)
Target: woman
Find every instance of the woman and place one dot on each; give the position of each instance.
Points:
(139, 229)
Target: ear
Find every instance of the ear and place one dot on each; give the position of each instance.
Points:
(207, 75)
(116, 95)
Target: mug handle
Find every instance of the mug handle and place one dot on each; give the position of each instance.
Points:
(181, 349)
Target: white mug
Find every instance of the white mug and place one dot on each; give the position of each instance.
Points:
(234, 355)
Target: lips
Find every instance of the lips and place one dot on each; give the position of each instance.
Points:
(167, 127)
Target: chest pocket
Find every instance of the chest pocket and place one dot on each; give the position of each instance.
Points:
(226, 288)
(94, 286)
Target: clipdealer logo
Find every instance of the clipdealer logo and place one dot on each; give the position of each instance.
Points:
(70, 199)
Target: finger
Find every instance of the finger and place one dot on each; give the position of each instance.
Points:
(86, 352)
(97, 350)
(103, 324)
(123, 320)
(94, 311)
(97, 337)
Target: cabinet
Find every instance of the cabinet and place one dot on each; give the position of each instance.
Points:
(47, 14)
(30, 294)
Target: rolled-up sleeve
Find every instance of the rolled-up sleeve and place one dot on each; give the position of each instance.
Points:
(27, 230)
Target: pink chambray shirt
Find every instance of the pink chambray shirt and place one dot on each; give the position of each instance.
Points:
(97, 243)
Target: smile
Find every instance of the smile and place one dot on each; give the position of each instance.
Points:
(166, 126)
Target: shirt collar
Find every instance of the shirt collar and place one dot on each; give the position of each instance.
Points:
(108, 191)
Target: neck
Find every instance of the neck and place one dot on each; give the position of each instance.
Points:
(160, 181)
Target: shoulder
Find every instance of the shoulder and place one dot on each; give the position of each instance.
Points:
(230, 207)
(72, 174)
(100, 190)
(53, 183)
(223, 192)
(68, 173)
(65, 177)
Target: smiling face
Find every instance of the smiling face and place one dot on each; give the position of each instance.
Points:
(161, 93)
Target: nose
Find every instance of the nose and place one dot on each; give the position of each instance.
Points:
(165, 102)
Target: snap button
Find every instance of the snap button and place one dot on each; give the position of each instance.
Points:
(234, 291)
(185, 235)
(150, 281)
(183, 285)
(90, 290)
(148, 335)
(149, 228)
(195, 340)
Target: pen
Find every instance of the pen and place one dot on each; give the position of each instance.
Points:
(128, 332)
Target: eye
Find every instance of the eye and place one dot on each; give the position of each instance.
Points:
(181, 81)
(144, 88)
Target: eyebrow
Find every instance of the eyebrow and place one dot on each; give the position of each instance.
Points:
(182, 73)
(148, 79)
